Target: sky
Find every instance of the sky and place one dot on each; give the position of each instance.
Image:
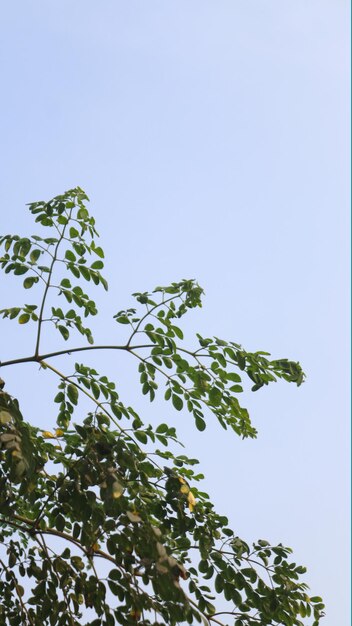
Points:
(213, 141)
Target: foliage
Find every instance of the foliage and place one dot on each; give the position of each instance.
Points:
(95, 528)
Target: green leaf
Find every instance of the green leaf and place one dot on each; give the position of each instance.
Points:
(24, 318)
(114, 574)
(30, 281)
(114, 587)
(215, 396)
(72, 393)
(263, 543)
(104, 283)
(178, 332)
(20, 269)
(66, 554)
(236, 378)
(219, 583)
(203, 566)
(141, 436)
(76, 530)
(116, 411)
(13, 312)
(99, 252)
(70, 256)
(122, 319)
(250, 573)
(162, 428)
(85, 272)
(97, 265)
(64, 332)
(34, 255)
(60, 522)
(200, 423)
(177, 402)
(74, 270)
(236, 388)
(95, 389)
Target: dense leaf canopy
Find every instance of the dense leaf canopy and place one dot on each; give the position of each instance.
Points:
(102, 523)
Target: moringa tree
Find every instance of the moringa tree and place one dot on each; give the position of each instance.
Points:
(101, 521)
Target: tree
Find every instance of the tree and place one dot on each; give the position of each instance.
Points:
(94, 528)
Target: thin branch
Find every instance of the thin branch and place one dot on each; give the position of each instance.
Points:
(54, 257)
(68, 351)
(235, 614)
(100, 405)
(205, 615)
(33, 530)
(45, 249)
(42, 543)
(156, 306)
(14, 525)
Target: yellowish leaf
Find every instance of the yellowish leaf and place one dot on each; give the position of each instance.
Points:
(133, 516)
(5, 417)
(117, 489)
(191, 501)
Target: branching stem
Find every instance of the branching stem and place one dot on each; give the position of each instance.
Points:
(18, 591)
(47, 286)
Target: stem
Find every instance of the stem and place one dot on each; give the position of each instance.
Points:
(40, 320)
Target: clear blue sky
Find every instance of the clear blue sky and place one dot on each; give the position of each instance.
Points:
(213, 141)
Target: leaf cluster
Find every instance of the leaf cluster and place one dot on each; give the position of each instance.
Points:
(101, 521)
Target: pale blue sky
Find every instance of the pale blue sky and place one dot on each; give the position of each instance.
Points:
(213, 140)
